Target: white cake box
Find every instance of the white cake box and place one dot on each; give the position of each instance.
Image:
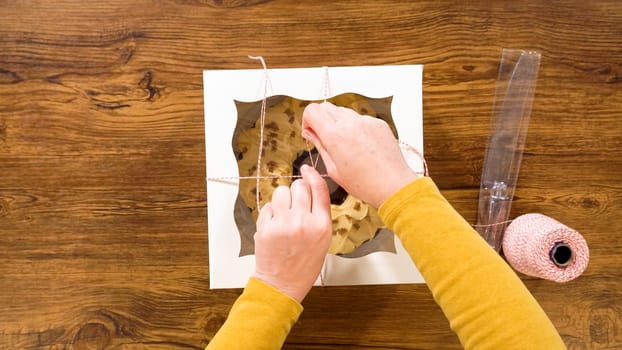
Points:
(222, 88)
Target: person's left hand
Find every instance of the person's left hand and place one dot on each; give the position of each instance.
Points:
(293, 235)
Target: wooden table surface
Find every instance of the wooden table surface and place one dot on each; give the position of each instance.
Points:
(103, 216)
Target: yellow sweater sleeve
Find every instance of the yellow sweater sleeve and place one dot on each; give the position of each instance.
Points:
(260, 319)
(486, 303)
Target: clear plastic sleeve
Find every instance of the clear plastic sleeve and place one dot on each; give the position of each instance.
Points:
(514, 94)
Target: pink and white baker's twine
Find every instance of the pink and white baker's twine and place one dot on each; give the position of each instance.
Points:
(540, 246)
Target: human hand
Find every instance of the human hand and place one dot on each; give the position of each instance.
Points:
(293, 234)
(360, 152)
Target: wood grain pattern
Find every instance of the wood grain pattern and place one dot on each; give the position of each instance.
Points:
(103, 218)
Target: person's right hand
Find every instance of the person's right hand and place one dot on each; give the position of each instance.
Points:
(360, 152)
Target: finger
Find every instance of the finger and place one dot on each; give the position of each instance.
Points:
(334, 112)
(320, 199)
(326, 157)
(315, 118)
(330, 110)
(281, 199)
(301, 195)
(310, 135)
(337, 113)
(265, 215)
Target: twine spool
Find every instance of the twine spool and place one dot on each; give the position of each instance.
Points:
(540, 246)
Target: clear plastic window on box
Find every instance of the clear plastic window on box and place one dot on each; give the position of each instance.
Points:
(357, 227)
